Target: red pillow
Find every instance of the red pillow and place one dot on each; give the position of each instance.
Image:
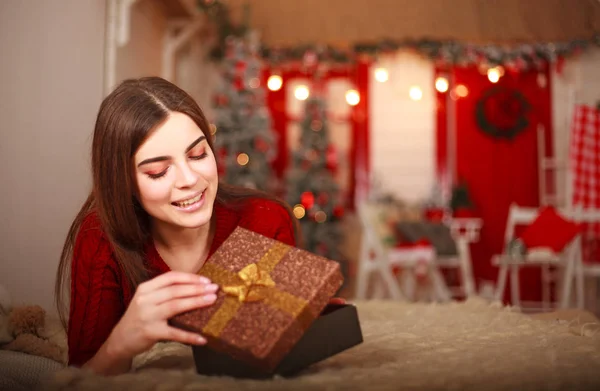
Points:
(550, 229)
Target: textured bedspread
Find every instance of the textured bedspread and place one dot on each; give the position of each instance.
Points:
(457, 346)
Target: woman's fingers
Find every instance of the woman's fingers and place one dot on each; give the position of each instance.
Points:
(171, 278)
(173, 307)
(171, 292)
(186, 337)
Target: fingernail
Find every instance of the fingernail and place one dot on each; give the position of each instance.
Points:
(204, 280)
(209, 298)
(200, 340)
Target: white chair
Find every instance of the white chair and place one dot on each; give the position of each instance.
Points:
(569, 259)
(377, 258)
(465, 231)
(589, 217)
(373, 257)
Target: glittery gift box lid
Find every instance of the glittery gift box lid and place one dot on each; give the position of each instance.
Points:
(270, 293)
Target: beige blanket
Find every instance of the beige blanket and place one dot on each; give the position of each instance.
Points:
(457, 346)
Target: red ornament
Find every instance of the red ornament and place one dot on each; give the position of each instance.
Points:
(240, 67)
(338, 212)
(307, 199)
(261, 145)
(238, 83)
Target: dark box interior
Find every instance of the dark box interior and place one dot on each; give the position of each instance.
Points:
(335, 330)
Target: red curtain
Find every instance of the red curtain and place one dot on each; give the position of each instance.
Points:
(498, 171)
(360, 148)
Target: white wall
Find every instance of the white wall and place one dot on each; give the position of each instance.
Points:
(197, 75)
(142, 55)
(51, 87)
(402, 129)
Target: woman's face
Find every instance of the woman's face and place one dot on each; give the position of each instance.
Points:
(176, 173)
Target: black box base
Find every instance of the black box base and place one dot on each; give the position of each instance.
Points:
(336, 330)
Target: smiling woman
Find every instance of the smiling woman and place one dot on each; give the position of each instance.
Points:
(156, 212)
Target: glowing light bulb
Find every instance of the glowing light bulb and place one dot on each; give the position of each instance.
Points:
(243, 159)
(441, 84)
(461, 91)
(320, 216)
(301, 93)
(352, 97)
(415, 93)
(275, 82)
(299, 211)
(381, 75)
(254, 82)
(493, 75)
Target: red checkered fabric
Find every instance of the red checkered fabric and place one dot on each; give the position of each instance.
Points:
(585, 168)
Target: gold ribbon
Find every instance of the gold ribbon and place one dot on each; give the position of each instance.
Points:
(251, 284)
(251, 279)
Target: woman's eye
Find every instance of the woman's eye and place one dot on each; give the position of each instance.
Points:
(158, 174)
(198, 157)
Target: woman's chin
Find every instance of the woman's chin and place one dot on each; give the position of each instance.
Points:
(193, 221)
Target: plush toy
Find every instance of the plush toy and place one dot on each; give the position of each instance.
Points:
(26, 326)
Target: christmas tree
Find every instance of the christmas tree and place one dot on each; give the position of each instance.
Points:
(312, 190)
(245, 142)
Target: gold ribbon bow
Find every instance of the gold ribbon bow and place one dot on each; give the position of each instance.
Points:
(252, 278)
(252, 283)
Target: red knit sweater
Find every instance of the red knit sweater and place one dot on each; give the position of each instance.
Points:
(99, 290)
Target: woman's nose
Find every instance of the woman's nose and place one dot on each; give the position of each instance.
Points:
(186, 177)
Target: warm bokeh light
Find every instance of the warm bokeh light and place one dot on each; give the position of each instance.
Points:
(320, 216)
(352, 97)
(381, 75)
(254, 82)
(243, 159)
(461, 91)
(493, 75)
(301, 93)
(415, 93)
(299, 211)
(441, 84)
(275, 82)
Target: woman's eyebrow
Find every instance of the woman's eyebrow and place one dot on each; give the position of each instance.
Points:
(163, 158)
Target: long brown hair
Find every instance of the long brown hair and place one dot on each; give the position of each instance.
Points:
(126, 118)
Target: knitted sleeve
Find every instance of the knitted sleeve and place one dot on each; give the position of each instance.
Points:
(270, 219)
(96, 294)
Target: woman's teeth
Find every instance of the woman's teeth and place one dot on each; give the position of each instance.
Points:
(189, 202)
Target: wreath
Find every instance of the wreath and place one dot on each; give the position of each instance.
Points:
(501, 112)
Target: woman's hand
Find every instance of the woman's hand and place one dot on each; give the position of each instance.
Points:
(145, 321)
(337, 300)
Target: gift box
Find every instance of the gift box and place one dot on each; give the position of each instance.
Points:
(270, 295)
(334, 331)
